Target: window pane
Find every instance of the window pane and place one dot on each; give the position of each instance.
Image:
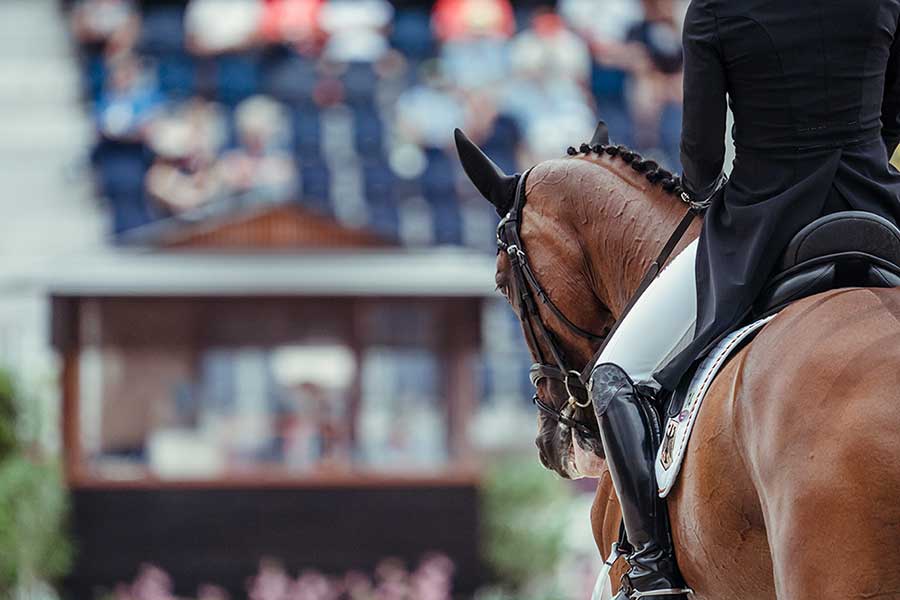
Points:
(403, 419)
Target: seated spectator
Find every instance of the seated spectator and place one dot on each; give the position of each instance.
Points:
(292, 22)
(553, 48)
(474, 35)
(129, 101)
(260, 169)
(427, 112)
(546, 91)
(185, 144)
(102, 26)
(656, 93)
(219, 26)
(357, 29)
(456, 20)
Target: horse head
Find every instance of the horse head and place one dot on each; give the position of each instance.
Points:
(585, 228)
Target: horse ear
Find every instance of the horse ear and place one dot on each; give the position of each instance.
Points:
(601, 135)
(497, 187)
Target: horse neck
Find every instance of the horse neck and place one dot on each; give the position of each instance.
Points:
(631, 220)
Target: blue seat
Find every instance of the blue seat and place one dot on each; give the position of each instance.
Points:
(360, 83)
(412, 35)
(94, 74)
(162, 30)
(315, 182)
(439, 178)
(237, 76)
(121, 168)
(368, 130)
(177, 75)
(383, 215)
(307, 132)
(447, 220)
(502, 142)
(378, 179)
(289, 77)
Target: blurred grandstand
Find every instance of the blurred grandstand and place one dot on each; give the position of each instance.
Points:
(288, 165)
(347, 106)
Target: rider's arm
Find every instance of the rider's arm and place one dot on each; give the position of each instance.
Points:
(703, 126)
(890, 106)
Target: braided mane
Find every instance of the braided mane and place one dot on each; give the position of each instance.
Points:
(654, 173)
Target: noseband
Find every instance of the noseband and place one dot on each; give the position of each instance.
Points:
(529, 290)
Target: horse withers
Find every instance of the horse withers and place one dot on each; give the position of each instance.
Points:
(790, 488)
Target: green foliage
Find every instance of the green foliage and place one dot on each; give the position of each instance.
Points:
(8, 415)
(526, 512)
(33, 504)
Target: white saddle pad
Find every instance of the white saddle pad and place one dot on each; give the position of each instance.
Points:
(678, 429)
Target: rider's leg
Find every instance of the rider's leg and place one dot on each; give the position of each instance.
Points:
(661, 322)
(658, 326)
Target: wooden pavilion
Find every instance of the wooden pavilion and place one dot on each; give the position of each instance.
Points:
(269, 384)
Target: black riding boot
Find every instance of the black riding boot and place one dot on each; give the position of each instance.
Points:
(630, 435)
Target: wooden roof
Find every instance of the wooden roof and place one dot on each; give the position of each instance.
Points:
(268, 227)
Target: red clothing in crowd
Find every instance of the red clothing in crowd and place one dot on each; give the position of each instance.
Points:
(454, 20)
(290, 20)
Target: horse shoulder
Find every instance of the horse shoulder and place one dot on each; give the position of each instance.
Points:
(716, 518)
(816, 413)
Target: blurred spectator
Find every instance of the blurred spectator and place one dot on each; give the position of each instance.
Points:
(260, 169)
(357, 29)
(217, 26)
(613, 57)
(474, 36)
(185, 144)
(656, 97)
(427, 112)
(381, 89)
(105, 25)
(130, 99)
(547, 94)
(552, 48)
(292, 22)
(455, 20)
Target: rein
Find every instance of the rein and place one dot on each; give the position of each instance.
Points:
(529, 290)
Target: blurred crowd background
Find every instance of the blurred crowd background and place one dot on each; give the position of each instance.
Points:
(348, 106)
(126, 120)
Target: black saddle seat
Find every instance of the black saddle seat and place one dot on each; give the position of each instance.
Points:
(844, 249)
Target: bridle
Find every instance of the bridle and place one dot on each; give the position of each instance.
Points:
(529, 290)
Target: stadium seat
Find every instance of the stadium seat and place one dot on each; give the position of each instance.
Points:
(289, 77)
(307, 134)
(177, 74)
(412, 35)
(368, 130)
(237, 76)
(315, 181)
(94, 76)
(121, 168)
(162, 30)
(360, 83)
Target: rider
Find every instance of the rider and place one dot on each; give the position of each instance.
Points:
(815, 91)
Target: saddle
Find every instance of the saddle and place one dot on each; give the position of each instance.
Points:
(844, 249)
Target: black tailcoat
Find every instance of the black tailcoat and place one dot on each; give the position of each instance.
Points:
(814, 86)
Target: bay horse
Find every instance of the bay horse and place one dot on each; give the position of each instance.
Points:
(790, 488)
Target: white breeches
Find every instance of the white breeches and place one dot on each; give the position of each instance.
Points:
(660, 324)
